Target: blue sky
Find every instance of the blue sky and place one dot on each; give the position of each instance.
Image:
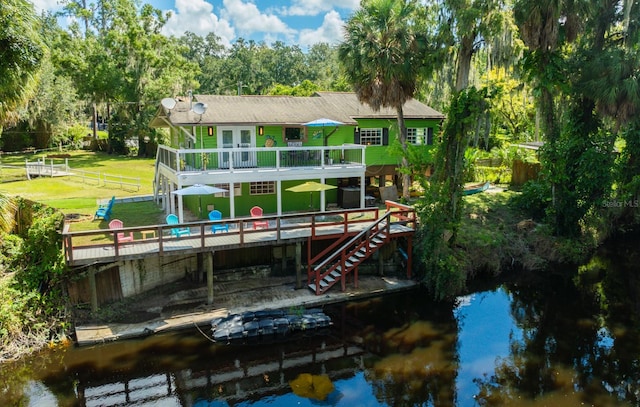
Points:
(301, 22)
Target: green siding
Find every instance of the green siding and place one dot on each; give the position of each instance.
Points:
(291, 201)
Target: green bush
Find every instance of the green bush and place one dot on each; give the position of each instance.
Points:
(10, 251)
(535, 199)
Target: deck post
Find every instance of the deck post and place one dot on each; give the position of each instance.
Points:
(93, 289)
(209, 265)
(283, 260)
(409, 255)
(298, 265)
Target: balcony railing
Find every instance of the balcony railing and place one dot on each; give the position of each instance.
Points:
(88, 247)
(181, 160)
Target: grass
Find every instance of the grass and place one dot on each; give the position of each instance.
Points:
(73, 196)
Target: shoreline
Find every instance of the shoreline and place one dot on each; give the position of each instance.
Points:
(240, 296)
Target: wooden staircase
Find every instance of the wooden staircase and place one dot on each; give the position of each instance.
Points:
(345, 259)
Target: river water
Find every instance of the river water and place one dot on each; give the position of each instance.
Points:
(568, 338)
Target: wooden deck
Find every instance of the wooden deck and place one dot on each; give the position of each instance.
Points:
(93, 247)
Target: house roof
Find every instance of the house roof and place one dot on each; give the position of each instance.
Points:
(278, 110)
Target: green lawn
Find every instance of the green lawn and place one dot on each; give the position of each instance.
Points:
(72, 195)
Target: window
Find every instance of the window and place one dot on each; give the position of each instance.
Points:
(371, 137)
(420, 136)
(262, 188)
(237, 190)
(293, 133)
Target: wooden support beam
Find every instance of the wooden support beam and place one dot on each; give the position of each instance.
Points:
(298, 265)
(409, 255)
(210, 264)
(93, 289)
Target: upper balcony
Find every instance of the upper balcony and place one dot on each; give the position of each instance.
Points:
(260, 163)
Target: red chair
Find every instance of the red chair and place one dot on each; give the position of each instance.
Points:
(256, 212)
(122, 236)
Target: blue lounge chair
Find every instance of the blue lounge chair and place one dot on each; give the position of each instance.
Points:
(104, 211)
(177, 232)
(217, 215)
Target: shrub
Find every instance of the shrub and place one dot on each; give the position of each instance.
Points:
(535, 199)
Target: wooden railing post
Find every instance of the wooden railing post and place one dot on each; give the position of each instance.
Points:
(343, 275)
(115, 242)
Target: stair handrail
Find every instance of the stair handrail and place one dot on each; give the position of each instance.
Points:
(350, 243)
(322, 254)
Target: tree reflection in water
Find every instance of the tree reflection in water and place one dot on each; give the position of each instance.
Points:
(571, 338)
(581, 338)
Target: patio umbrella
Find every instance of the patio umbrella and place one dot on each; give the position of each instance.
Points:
(198, 189)
(311, 187)
(316, 387)
(324, 122)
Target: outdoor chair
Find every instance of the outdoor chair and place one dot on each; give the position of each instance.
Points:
(121, 237)
(177, 232)
(256, 212)
(104, 211)
(217, 215)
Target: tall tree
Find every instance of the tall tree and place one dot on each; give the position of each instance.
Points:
(381, 58)
(545, 27)
(21, 53)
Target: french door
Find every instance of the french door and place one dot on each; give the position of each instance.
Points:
(239, 139)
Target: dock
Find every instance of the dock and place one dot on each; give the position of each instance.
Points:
(237, 297)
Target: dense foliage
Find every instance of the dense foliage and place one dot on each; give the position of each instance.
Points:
(561, 72)
(32, 307)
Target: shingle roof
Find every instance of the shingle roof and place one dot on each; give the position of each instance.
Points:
(265, 110)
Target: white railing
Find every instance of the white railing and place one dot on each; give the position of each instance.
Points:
(41, 168)
(182, 160)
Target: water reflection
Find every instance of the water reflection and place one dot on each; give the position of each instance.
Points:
(569, 339)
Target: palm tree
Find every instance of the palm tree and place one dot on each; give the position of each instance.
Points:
(21, 52)
(380, 57)
(7, 213)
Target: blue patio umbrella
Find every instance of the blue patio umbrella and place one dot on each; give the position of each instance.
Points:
(324, 122)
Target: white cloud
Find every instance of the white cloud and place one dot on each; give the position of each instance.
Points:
(197, 16)
(46, 5)
(315, 7)
(331, 31)
(248, 19)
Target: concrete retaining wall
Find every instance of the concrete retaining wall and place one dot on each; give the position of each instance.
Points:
(138, 276)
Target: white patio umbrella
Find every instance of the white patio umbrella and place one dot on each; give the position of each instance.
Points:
(198, 189)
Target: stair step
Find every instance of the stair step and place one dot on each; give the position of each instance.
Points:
(335, 274)
(329, 279)
(324, 284)
(361, 253)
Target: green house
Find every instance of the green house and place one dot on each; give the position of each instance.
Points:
(256, 147)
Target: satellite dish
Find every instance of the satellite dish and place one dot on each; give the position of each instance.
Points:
(199, 108)
(168, 103)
